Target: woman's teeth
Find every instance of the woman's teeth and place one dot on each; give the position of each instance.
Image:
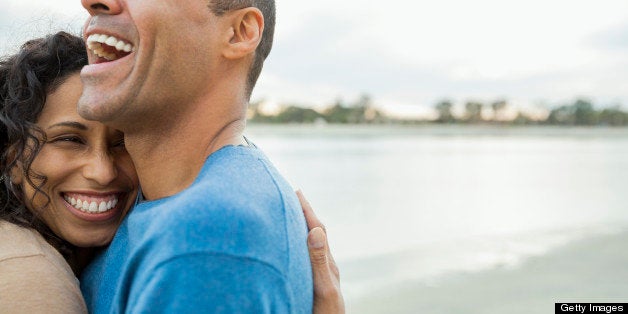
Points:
(92, 206)
(98, 43)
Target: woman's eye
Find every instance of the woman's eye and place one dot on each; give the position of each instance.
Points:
(68, 139)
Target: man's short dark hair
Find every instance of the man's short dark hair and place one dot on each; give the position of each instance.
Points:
(220, 7)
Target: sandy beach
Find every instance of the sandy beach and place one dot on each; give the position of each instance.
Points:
(589, 270)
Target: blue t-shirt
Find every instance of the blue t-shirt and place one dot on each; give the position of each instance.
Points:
(233, 242)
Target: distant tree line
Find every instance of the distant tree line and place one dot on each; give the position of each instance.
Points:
(360, 112)
(579, 113)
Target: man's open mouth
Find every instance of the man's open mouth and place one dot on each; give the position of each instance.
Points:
(108, 47)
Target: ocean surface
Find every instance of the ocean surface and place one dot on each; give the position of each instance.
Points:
(411, 205)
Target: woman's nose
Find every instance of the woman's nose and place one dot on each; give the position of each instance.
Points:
(101, 168)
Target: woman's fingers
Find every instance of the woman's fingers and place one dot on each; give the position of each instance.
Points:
(327, 293)
(310, 218)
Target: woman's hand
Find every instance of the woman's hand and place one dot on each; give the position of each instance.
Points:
(327, 295)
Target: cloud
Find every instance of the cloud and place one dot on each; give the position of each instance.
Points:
(422, 52)
(318, 54)
(614, 39)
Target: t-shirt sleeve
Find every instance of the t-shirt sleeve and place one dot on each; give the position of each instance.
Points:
(208, 283)
(32, 284)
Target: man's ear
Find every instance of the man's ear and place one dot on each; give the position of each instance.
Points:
(247, 26)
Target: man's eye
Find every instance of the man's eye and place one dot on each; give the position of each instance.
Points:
(119, 143)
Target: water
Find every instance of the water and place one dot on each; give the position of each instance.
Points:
(418, 203)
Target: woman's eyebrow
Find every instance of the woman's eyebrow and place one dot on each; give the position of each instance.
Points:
(72, 124)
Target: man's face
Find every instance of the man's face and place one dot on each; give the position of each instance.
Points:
(146, 58)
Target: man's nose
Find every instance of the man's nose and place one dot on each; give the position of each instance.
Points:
(96, 7)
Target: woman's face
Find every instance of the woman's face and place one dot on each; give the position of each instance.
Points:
(91, 180)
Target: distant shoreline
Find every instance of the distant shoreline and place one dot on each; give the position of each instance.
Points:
(436, 130)
(437, 125)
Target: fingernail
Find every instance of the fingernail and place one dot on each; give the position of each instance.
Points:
(317, 238)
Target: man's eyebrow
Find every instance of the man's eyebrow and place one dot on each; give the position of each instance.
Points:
(72, 124)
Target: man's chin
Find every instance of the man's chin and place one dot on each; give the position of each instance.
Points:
(96, 108)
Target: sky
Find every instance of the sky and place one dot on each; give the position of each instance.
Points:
(408, 55)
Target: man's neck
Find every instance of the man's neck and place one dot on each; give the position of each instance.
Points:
(169, 160)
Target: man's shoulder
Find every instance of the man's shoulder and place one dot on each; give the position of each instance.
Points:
(237, 179)
(237, 200)
(237, 166)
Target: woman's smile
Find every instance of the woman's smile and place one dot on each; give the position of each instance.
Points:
(94, 206)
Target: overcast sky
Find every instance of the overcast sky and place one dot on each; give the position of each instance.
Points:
(409, 54)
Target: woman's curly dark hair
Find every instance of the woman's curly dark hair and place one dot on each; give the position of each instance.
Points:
(26, 78)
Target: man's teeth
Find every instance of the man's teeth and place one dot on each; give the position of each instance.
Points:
(92, 206)
(95, 43)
